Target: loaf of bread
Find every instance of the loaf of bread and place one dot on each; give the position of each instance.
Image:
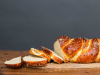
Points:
(80, 50)
(13, 63)
(39, 53)
(54, 56)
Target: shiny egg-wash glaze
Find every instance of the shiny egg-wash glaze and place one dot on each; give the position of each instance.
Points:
(81, 50)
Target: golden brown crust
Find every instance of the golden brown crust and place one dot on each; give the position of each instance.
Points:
(98, 57)
(46, 51)
(50, 54)
(85, 43)
(63, 40)
(41, 54)
(35, 63)
(30, 51)
(71, 49)
(65, 58)
(57, 59)
(45, 56)
(91, 54)
(90, 51)
(13, 66)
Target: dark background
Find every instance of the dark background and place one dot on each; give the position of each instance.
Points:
(35, 23)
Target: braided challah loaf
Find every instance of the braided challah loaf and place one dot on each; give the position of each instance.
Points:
(81, 50)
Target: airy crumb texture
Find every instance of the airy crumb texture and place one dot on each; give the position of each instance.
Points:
(13, 63)
(34, 61)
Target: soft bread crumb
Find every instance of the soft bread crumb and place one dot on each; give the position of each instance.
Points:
(33, 58)
(14, 60)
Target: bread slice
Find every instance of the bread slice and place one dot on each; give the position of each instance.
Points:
(39, 53)
(52, 55)
(34, 61)
(13, 63)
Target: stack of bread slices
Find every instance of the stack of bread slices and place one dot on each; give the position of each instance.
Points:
(35, 59)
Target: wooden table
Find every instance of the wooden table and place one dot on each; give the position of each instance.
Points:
(8, 54)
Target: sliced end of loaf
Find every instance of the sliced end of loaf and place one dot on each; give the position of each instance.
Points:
(13, 63)
(58, 50)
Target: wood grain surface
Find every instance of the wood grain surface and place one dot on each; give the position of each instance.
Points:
(58, 69)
